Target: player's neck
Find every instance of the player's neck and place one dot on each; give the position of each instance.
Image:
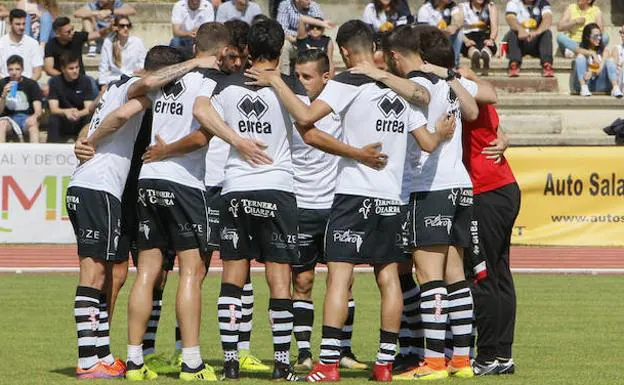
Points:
(264, 65)
(356, 59)
(215, 64)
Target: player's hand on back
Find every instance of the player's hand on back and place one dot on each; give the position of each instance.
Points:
(496, 149)
(368, 69)
(83, 150)
(372, 156)
(262, 78)
(445, 126)
(155, 152)
(252, 151)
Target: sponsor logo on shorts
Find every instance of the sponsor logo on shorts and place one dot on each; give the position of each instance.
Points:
(89, 234)
(439, 221)
(283, 241)
(453, 196)
(233, 208)
(305, 239)
(156, 197)
(349, 236)
(466, 198)
(366, 207)
(72, 202)
(402, 238)
(474, 235)
(144, 228)
(387, 208)
(190, 228)
(252, 207)
(213, 214)
(228, 234)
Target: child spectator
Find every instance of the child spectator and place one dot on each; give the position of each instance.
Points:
(288, 14)
(16, 42)
(122, 54)
(384, 15)
(448, 17)
(41, 15)
(480, 32)
(186, 17)
(244, 10)
(574, 19)
(311, 35)
(20, 103)
(594, 69)
(71, 94)
(98, 14)
(529, 22)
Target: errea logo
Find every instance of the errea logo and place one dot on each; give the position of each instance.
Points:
(391, 107)
(253, 108)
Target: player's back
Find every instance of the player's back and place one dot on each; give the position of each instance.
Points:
(370, 113)
(257, 113)
(109, 167)
(172, 108)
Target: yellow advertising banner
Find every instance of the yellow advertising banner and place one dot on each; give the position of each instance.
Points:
(570, 195)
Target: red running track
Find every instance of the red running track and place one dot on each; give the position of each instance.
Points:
(522, 257)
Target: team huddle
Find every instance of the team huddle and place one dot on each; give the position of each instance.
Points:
(221, 155)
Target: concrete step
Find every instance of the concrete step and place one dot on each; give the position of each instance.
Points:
(526, 84)
(560, 140)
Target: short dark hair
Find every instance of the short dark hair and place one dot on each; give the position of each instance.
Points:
(16, 13)
(356, 35)
(403, 39)
(239, 33)
(266, 39)
(161, 56)
(211, 36)
(15, 59)
(259, 18)
(68, 58)
(314, 55)
(435, 46)
(60, 22)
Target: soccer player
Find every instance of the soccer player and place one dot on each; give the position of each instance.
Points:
(259, 212)
(94, 207)
(172, 207)
(315, 178)
(365, 219)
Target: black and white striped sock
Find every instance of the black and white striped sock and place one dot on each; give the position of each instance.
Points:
(461, 313)
(244, 331)
(87, 317)
(229, 315)
(149, 339)
(387, 347)
(433, 310)
(303, 312)
(102, 344)
(281, 316)
(330, 345)
(347, 329)
(411, 336)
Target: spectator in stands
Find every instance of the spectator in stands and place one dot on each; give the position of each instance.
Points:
(122, 54)
(384, 15)
(480, 32)
(98, 15)
(529, 22)
(617, 53)
(244, 10)
(66, 40)
(574, 19)
(311, 35)
(186, 17)
(448, 17)
(594, 69)
(20, 103)
(16, 42)
(41, 15)
(71, 94)
(288, 14)
(4, 14)
(236, 54)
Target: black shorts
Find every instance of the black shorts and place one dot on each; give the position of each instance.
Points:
(171, 216)
(96, 218)
(441, 218)
(311, 238)
(213, 205)
(479, 37)
(259, 224)
(364, 230)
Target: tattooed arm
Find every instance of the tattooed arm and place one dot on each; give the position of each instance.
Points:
(166, 75)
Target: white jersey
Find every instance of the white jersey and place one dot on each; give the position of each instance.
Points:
(428, 14)
(371, 113)
(190, 20)
(216, 156)
(475, 20)
(109, 167)
(408, 172)
(443, 168)
(315, 170)
(172, 107)
(257, 113)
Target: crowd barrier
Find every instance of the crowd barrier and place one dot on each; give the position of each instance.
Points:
(570, 195)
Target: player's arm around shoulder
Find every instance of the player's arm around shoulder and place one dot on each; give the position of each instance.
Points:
(116, 119)
(162, 150)
(444, 130)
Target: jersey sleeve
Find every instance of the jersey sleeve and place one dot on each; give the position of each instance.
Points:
(369, 14)
(423, 16)
(511, 8)
(207, 87)
(470, 86)
(422, 81)
(338, 95)
(217, 103)
(177, 15)
(416, 118)
(545, 7)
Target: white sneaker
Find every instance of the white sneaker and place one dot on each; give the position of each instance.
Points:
(568, 54)
(617, 92)
(585, 90)
(92, 51)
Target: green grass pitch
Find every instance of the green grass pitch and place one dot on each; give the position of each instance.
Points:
(570, 329)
